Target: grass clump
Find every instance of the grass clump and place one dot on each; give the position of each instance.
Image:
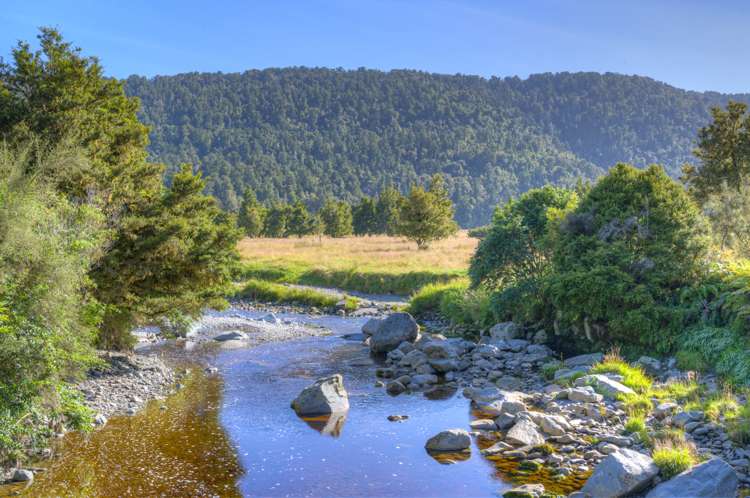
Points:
(635, 424)
(544, 449)
(739, 427)
(722, 406)
(682, 391)
(549, 369)
(633, 377)
(636, 405)
(673, 459)
(428, 298)
(259, 290)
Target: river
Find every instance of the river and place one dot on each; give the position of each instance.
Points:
(236, 435)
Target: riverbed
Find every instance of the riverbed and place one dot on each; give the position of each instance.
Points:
(234, 434)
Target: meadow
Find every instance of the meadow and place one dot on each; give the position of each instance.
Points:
(375, 264)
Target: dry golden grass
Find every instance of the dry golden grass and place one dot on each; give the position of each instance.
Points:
(374, 253)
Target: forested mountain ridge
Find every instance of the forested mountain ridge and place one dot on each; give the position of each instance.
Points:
(310, 133)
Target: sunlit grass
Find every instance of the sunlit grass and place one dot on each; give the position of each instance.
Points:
(636, 405)
(673, 458)
(633, 377)
(259, 290)
(680, 391)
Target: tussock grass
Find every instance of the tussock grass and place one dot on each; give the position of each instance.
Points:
(739, 427)
(636, 405)
(635, 424)
(259, 290)
(633, 377)
(673, 458)
(373, 264)
(681, 391)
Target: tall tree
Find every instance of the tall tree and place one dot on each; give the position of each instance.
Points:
(300, 221)
(365, 217)
(724, 153)
(252, 214)
(61, 96)
(427, 215)
(388, 210)
(336, 217)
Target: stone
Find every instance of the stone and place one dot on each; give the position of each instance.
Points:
(424, 379)
(23, 475)
(271, 318)
(443, 365)
(233, 335)
(392, 331)
(608, 448)
(509, 383)
(567, 373)
(326, 395)
(525, 491)
(554, 425)
(683, 418)
(505, 421)
(504, 331)
(371, 326)
(395, 387)
(100, 419)
(584, 394)
(622, 473)
(449, 440)
(665, 409)
(711, 479)
(540, 337)
(621, 441)
(397, 418)
(524, 433)
(439, 349)
(652, 366)
(584, 360)
(483, 424)
(604, 385)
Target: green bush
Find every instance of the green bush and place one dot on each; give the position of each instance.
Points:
(673, 459)
(621, 258)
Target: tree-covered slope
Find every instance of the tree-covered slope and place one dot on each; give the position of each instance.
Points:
(309, 133)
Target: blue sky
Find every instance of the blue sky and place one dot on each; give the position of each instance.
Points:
(697, 45)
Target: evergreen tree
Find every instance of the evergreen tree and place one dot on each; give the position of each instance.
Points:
(388, 210)
(724, 152)
(365, 217)
(62, 97)
(252, 214)
(300, 221)
(427, 215)
(336, 217)
(277, 220)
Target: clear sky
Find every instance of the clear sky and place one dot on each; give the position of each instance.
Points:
(697, 45)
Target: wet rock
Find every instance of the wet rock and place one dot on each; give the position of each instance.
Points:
(395, 387)
(524, 433)
(22, 475)
(711, 479)
(397, 418)
(525, 491)
(392, 331)
(483, 424)
(271, 318)
(233, 335)
(449, 440)
(620, 474)
(371, 326)
(326, 395)
(443, 365)
(424, 379)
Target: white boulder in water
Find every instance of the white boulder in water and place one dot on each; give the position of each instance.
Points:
(326, 395)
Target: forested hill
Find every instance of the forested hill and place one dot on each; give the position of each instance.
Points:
(308, 133)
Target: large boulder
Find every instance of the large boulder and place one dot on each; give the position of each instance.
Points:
(524, 433)
(604, 385)
(712, 479)
(449, 440)
(371, 326)
(326, 395)
(392, 331)
(620, 474)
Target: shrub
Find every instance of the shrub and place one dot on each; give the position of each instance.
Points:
(691, 361)
(620, 259)
(673, 459)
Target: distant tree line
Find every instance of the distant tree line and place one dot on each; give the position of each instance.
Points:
(423, 216)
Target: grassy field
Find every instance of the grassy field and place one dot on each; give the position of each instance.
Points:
(375, 264)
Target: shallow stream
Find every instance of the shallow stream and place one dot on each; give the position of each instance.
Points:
(236, 435)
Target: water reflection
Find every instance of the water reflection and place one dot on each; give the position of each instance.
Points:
(328, 425)
(448, 458)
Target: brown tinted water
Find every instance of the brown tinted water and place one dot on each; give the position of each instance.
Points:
(180, 451)
(213, 429)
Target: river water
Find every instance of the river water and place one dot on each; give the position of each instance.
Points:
(237, 435)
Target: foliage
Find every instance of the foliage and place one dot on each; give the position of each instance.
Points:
(517, 246)
(673, 459)
(427, 215)
(171, 255)
(365, 217)
(455, 302)
(311, 132)
(724, 152)
(167, 249)
(252, 215)
(300, 222)
(47, 324)
(636, 404)
(337, 218)
(428, 298)
(635, 425)
(621, 258)
(739, 426)
(728, 210)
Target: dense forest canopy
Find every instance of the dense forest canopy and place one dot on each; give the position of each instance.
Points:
(308, 134)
